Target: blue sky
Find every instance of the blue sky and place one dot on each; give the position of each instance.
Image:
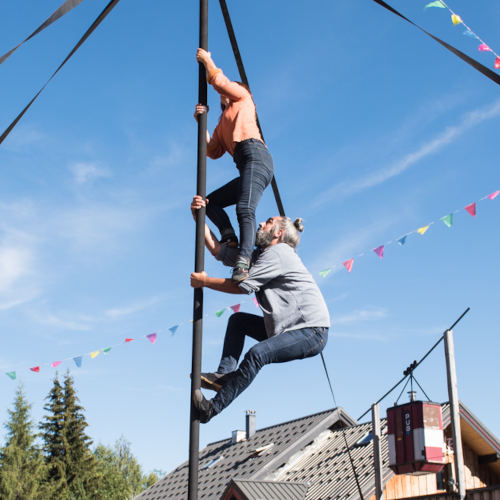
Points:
(375, 131)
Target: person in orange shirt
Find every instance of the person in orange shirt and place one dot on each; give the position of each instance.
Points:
(238, 134)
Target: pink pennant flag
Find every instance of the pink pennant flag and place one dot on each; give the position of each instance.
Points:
(151, 337)
(128, 340)
(492, 196)
(35, 369)
(255, 302)
(379, 251)
(236, 308)
(348, 264)
(484, 48)
(471, 209)
(55, 363)
(497, 63)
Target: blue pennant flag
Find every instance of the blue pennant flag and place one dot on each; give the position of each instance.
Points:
(78, 361)
(173, 329)
(402, 240)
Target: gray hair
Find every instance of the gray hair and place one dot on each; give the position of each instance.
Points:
(290, 230)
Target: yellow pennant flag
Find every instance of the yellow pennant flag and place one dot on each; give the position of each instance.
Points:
(95, 354)
(422, 230)
(455, 19)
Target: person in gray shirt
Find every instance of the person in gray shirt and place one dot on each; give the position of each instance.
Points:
(295, 323)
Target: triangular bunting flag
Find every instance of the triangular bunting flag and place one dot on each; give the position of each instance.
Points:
(402, 240)
(471, 209)
(55, 363)
(128, 340)
(468, 32)
(78, 361)
(95, 354)
(497, 63)
(220, 313)
(11, 375)
(492, 196)
(236, 308)
(348, 264)
(35, 369)
(455, 19)
(151, 337)
(325, 272)
(422, 230)
(379, 251)
(484, 48)
(448, 220)
(173, 329)
(105, 351)
(437, 3)
(256, 302)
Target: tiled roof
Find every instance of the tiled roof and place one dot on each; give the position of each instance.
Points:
(269, 490)
(221, 461)
(327, 467)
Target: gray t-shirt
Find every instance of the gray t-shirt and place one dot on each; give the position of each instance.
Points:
(286, 292)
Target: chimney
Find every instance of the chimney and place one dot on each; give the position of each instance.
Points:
(250, 423)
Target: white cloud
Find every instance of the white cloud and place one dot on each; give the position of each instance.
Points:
(360, 315)
(85, 172)
(63, 321)
(347, 188)
(132, 308)
(359, 336)
(15, 263)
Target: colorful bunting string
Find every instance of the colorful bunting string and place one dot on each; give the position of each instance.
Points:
(348, 264)
(447, 220)
(152, 337)
(456, 20)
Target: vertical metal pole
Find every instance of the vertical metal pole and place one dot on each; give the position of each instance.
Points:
(454, 412)
(377, 456)
(199, 263)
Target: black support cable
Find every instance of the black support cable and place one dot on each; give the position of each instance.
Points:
(199, 264)
(244, 79)
(343, 433)
(64, 8)
(111, 5)
(415, 364)
(495, 77)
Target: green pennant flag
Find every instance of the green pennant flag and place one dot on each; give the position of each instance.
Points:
(105, 351)
(325, 272)
(437, 3)
(11, 375)
(448, 220)
(220, 313)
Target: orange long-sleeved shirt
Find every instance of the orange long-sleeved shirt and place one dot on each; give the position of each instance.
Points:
(237, 122)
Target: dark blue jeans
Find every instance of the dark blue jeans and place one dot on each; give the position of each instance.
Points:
(288, 346)
(255, 165)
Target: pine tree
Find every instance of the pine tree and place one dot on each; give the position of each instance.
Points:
(21, 465)
(81, 472)
(54, 442)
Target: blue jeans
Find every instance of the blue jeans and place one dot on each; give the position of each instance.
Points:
(255, 165)
(288, 346)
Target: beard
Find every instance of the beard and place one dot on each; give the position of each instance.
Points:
(263, 239)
